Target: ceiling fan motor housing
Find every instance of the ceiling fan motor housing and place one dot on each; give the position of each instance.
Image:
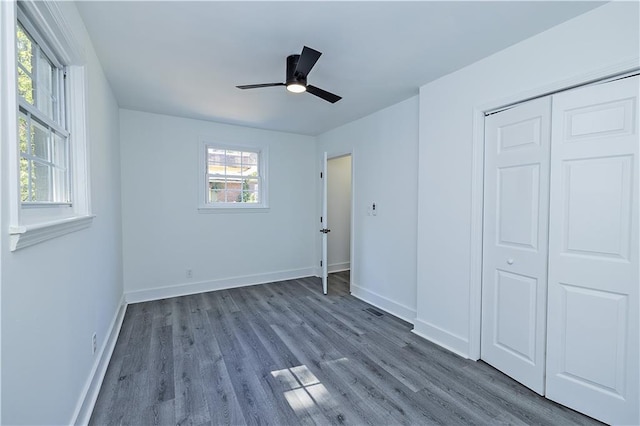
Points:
(292, 78)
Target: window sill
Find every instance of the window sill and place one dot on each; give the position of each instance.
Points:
(220, 209)
(25, 236)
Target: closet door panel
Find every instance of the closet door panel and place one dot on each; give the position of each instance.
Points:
(515, 241)
(593, 323)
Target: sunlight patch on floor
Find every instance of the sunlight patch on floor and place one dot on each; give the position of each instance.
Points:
(303, 390)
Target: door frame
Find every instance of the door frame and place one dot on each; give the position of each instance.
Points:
(477, 179)
(337, 154)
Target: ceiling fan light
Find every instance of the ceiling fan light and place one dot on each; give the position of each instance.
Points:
(296, 88)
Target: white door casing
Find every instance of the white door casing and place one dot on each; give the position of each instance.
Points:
(593, 322)
(324, 224)
(515, 241)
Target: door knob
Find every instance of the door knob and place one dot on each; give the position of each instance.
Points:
(325, 230)
(510, 261)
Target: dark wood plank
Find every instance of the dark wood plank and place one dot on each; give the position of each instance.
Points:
(257, 407)
(190, 404)
(224, 406)
(161, 379)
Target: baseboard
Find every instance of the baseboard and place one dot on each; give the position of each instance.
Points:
(185, 289)
(382, 302)
(89, 395)
(454, 343)
(339, 267)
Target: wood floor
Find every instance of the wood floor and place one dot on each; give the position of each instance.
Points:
(284, 354)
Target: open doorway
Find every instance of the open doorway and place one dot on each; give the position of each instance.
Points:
(339, 195)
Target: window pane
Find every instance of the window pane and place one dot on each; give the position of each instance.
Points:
(45, 73)
(250, 171)
(234, 191)
(39, 140)
(249, 197)
(217, 183)
(233, 158)
(234, 170)
(250, 158)
(60, 192)
(25, 49)
(22, 132)
(216, 169)
(216, 156)
(25, 86)
(249, 190)
(217, 196)
(45, 86)
(41, 182)
(59, 151)
(24, 179)
(250, 184)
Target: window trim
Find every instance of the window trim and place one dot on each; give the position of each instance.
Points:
(35, 223)
(263, 161)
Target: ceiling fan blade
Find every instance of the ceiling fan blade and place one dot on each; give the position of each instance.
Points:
(327, 96)
(307, 60)
(257, 86)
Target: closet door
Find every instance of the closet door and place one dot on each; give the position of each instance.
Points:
(593, 323)
(515, 242)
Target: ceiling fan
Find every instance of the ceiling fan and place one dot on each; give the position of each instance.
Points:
(298, 67)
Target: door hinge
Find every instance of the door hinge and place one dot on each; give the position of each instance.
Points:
(320, 219)
(320, 175)
(321, 263)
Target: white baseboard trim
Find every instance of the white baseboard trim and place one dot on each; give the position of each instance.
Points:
(89, 395)
(339, 267)
(185, 289)
(454, 343)
(382, 302)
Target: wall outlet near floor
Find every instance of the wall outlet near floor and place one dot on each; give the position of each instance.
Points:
(94, 344)
(189, 273)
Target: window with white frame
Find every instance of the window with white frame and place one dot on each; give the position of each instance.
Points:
(42, 134)
(234, 177)
(44, 119)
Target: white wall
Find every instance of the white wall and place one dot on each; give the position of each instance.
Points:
(57, 293)
(385, 171)
(448, 273)
(163, 232)
(339, 213)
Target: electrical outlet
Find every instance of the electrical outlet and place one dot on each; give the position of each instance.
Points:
(94, 344)
(189, 273)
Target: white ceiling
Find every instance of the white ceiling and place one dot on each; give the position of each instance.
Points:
(185, 58)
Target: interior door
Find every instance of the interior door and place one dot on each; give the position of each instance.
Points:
(514, 284)
(324, 229)
(593, 354)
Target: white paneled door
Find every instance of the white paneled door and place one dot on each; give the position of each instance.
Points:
(515, 241)
(593, 322)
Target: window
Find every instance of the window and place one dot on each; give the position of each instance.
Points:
(234, 177)
(42, 134)
(43, 117)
